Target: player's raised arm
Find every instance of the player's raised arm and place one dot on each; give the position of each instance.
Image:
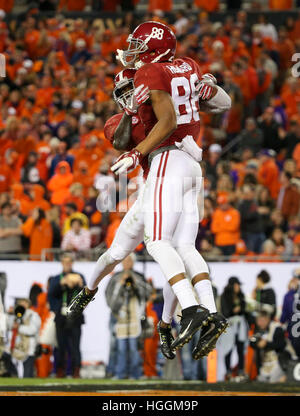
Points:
(122, 134)
(212, 98)
(163, 108)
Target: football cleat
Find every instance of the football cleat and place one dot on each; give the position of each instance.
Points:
(193, 319)
(210, 335)
(79, 303)
(166, 339)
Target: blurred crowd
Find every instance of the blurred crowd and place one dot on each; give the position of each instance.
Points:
(151, 5)
(55, 160)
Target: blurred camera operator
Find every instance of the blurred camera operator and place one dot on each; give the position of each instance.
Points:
(23, 326)
(3, 330)
(62, 288)
(233, 308)
(126, 295)
(290, 315)
(270, 346)
(263, 295)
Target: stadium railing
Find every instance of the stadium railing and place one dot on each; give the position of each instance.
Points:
(55, 254)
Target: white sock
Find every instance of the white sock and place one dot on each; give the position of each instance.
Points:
(184, 292)
(170, 303)
(206, 295)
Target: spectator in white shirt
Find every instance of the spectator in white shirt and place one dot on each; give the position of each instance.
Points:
(78, 238)
(181, 23)
(266, 28)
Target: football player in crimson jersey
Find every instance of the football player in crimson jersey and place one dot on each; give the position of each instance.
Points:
(125, 130)
(171, 120)
(161, 119)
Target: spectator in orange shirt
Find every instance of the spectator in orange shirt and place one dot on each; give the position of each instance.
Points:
(251, 73)
(32, 36)
(285, 49)
(280, 4)
(268, 172)
(75, 195)
(288, 200)
(112, 228)
(290, 94)
(226, 226)
(37, 195)
(18, 196)
(241, 252)
(43, 362)
(72, 5)
(60, 183)
(81, 175)
(5, 176)
(293, 27)
(91, 154)
(240, 78)
(56, 114)
(6, 6)
(107, 43)
(150, 343)
(164, 5)
(25, 142)
(209, 6)
(39, 232)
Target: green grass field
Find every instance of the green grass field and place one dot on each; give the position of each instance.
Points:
(94, 385)
(62, 381)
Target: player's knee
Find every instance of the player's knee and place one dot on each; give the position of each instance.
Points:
(158, 247)
(193, 259)
(185, 250)
(116, 253)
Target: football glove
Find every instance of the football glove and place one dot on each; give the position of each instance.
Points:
(140, 95)
(127, 162)
(204, 91)
(209, 79)
(204, 87)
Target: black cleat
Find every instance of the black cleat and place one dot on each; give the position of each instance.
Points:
(79, 303)
(193, 318)
(166, 339)
(210, 335)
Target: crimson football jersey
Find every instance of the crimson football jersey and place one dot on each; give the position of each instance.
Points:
(137, 133)
(177, 78)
